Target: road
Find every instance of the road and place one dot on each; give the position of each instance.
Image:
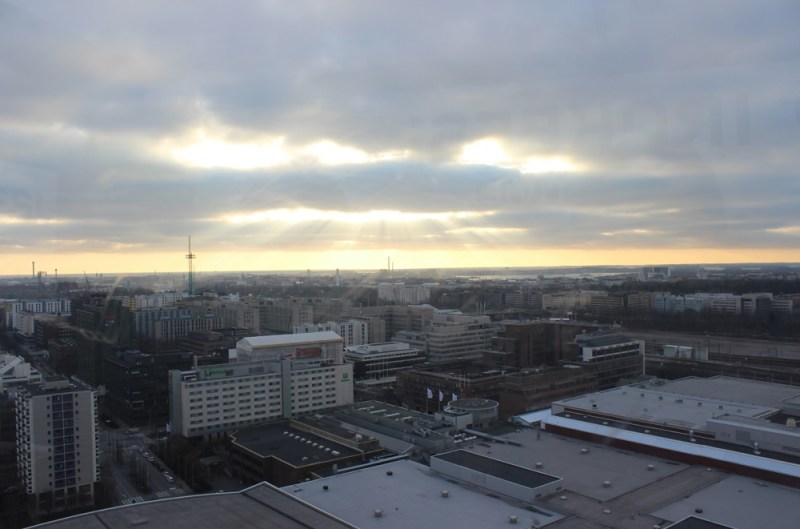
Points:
(127, 491)
(721, 344)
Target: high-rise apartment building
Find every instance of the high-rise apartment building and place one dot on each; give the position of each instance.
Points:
(57, 444)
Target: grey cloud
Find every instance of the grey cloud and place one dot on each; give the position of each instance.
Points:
(681, 106)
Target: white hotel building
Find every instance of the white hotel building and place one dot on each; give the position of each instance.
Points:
(274, 377)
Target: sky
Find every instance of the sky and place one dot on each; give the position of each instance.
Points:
(322, 135)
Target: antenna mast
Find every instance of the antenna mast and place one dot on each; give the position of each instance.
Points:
(190, 257)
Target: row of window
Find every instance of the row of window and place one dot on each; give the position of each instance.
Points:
(231, 419)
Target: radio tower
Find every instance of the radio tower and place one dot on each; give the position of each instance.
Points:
(190, 257)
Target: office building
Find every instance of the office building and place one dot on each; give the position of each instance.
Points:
(211, 347)
(535, 343)
(101, 326)
(378, 363)
(282, 315)
(452, 336)
(168, 325)
(48, 327)
(396, 318)
(609, 355)
(137, 385)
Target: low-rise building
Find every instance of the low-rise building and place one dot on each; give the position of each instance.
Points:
(285, 452)
(746, 426)
(16, 372)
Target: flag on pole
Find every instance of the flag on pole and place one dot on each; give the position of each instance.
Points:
(430, 393)
(441, 396)
(455, 397)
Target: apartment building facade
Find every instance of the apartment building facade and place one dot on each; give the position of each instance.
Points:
(58, 444)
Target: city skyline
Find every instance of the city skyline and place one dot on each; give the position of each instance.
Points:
(442, 136)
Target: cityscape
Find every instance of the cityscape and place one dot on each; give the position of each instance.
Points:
(399, 265)
(486, 385)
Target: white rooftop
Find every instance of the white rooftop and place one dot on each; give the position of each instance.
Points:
(411, 497)
(637, 497)
(657, 405)
(739, 502)
(732, 389)
(279, 340)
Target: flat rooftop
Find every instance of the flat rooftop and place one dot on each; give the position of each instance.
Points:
(583, 473)
(279, 340)
(640, 497)
(259, 507)
(409, 494)
(752, 392)
(499, 469)
(380, 410)
(739, 502)
(656, 404)
(292, 446)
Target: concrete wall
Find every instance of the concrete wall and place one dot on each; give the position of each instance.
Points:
(774, 437)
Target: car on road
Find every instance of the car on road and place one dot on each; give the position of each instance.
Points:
(169, 477)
